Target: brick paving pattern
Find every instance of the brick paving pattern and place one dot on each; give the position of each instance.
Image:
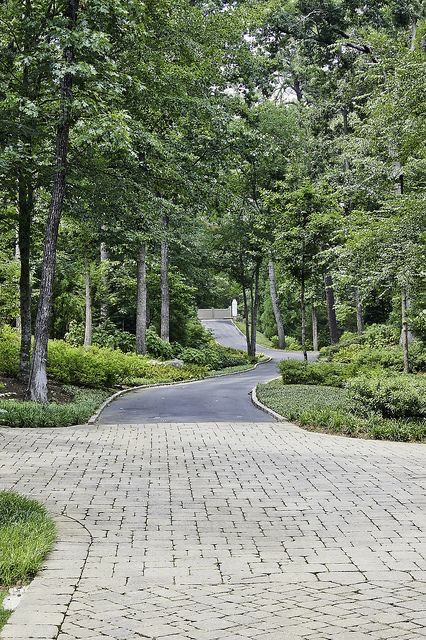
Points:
(222, 532)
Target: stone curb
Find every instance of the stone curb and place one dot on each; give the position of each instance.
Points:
(257, 403)
(44, 605)
(159, 385)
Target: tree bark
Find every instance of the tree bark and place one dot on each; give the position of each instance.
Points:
(18, 261)
(25, 209)
(359, 312)
(255, 300)
(165, 292)
(141, 302)
(331, 312)
(276, 305)
(104, 255)
(405, 338)
(246, 319)
(303, 310)
(88, 325)
(315, 328)
(37, 385)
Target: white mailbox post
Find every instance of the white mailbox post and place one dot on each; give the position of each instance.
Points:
(234, 308)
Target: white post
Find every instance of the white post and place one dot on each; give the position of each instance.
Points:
(234, 308)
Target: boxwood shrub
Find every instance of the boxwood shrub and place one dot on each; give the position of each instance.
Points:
(319, 373)
(390, 396)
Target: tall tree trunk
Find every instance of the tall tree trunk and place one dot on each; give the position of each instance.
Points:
(315, 328)
(165, 292)
(405, 333)
(104, 256)
(37, 386)
(141, 302)
(88, 325)
(25, 209)
(331, 312)
(276, 305)
(255, 300)
(413, 34)
(26, 205)
(246, 319)
(18, 261)
(303, 311)
(359, 312)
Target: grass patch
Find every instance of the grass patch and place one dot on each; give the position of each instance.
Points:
(14, 413)
(27, 534)
(4, 615)
(292, 400)
(327, 409)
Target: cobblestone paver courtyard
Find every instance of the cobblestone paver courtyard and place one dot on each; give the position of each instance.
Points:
(222, 532)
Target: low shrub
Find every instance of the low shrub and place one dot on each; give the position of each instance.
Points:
(333, 420)
(329, 409)
(418, 356)
(214, 356)
(205, 357)
(380, 335)
(27, 534)
(9, 351)
(157, 347)
(362, 356)
(398, 430)
(418, 324)
(319, 373)
(390, 396)
(94, 367)
(291, 344)
(196, 335)
(158, 373)
(104, 335)
(100, 367)
(32, 414)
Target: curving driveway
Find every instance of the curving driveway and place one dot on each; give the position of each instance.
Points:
(222, 531)
(213, 400)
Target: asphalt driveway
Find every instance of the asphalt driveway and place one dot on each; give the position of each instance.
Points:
(222, 399)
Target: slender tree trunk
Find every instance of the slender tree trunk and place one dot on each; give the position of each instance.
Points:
(26, 209)
(37, 387)
(88, 325)
(246, 319)
(303, 312)
(165, 291)
(254, 312)
(331, 312)
(315, 328)
(405, 332)
(276, 305)
(26, 206)
(104, 256)
(18, 261)
(141, 302)
(359, 312)
(413, 35)
(245, 303)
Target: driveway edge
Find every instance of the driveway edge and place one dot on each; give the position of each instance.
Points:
(257, 403)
